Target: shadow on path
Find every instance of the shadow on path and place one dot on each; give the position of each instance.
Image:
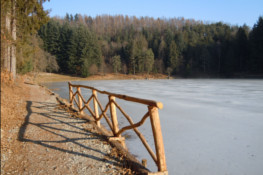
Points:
(55, 118)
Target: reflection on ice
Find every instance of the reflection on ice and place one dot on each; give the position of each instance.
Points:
(209, 126)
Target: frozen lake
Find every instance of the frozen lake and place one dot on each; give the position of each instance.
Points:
(209, 126)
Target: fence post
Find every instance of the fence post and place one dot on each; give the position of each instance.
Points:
(80, 100)
(113, 115)
(70, 95)
(115, 120)
(158, 138)
(95, 103)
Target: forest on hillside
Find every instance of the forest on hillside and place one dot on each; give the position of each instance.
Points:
(84, 45)
(79, 45)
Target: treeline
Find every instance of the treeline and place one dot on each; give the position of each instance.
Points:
(76, 48)
(84, 45)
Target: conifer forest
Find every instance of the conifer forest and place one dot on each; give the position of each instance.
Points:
(84, 45)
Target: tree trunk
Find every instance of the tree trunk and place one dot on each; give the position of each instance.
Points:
(10, 40)
(13, 45)
(7, 41)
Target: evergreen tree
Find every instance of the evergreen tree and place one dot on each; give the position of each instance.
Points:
(64, 45)
(116, 62)
(256, 46)
(149, 60)
(131, 52)
(242, 49)
(173, 55)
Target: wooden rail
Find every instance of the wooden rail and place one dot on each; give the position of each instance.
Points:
(159, 155)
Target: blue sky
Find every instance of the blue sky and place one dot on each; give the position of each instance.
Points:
(234, 12)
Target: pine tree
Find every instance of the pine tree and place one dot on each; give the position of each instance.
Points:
(132, 61)
(116, 62)
(256, 46)
(242, 48)
(173, 55)
(149, 60)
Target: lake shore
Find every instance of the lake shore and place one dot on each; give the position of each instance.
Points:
(53, 77)
(198, 118)
(44, 77)
(38, 135)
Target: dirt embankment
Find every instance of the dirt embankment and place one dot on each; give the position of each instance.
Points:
(39, 137)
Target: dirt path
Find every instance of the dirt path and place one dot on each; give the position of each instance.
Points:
(39, 137)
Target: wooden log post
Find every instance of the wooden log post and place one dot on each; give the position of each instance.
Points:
(144, 162)
(80, 100)
(114, 119)
(113, 115)
(70, 95)
(96, 110)
(158, 138)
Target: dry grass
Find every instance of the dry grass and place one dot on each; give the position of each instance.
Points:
(52, 77)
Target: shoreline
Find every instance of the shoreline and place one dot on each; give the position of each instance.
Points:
(54, 77)
(26, 100)
(44, 77)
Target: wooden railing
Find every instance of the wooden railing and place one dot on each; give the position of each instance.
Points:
(159, 155)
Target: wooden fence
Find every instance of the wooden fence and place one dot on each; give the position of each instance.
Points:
(159, 155)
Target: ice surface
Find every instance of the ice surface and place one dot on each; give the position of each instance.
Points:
(209, 126)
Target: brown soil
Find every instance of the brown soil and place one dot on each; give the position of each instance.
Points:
(39, 137)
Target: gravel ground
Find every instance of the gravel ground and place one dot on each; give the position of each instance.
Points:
(39, 137)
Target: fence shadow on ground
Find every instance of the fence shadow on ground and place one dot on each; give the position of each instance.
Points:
(52, 119)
